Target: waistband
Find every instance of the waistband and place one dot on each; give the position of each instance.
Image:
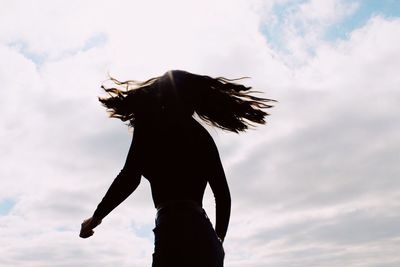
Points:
(178, 205)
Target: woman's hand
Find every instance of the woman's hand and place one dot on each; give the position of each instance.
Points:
(87, 227)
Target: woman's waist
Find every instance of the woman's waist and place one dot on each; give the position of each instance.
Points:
(178, 206)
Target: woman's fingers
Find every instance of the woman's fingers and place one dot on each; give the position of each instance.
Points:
(86, 231)
(87, 227)
(86, 234)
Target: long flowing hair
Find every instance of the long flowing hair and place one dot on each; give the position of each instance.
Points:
(221, 102)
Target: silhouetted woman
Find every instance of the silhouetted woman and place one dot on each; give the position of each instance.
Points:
(178, 157)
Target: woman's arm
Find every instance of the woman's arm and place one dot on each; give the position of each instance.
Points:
(123, 185)
(219, 186)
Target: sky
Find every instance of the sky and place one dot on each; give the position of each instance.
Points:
(316, 186)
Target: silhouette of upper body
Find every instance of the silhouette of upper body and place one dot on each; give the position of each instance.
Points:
(178, 158)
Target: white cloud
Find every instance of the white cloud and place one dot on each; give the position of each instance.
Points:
(303, 25)
(301, 186)
(339, 156)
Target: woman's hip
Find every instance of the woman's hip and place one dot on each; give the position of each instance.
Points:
(185, 235)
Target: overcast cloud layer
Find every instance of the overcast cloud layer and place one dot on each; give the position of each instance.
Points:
(317, 186)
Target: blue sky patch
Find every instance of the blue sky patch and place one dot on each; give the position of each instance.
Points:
(6, 205)
(273, 31)
(367, 9)
(22, 47)
(97, 40)
(144, 231)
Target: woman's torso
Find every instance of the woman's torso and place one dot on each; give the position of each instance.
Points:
(175, 161)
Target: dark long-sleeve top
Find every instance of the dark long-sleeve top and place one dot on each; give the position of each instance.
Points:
(178, 160)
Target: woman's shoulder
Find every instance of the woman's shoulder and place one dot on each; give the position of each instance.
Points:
(204, 137)
(188, 132)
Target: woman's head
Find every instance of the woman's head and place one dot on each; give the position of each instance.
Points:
(178, 94)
